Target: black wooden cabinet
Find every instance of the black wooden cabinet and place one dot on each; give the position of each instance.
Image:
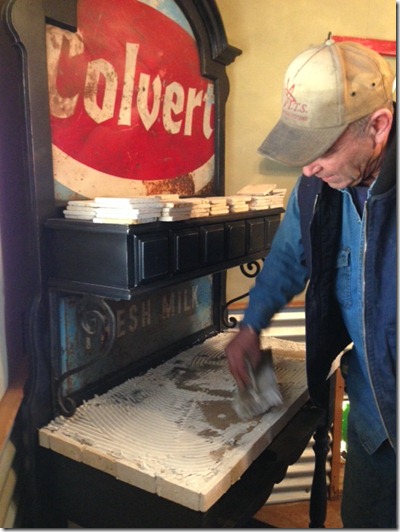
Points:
(119, 261)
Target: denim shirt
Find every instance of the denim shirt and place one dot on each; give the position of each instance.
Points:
(349, 292)
(285, 275)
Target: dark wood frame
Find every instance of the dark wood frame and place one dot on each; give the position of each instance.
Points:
(25, 92)
(28, 200)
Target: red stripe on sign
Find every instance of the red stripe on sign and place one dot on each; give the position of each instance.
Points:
(381, 46)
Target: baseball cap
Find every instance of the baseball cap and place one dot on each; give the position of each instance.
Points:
(326, 88)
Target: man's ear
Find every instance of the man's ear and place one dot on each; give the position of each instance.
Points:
(380, 124)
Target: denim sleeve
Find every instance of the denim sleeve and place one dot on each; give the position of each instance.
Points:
(284, 273)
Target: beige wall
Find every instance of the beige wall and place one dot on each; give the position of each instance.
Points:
(270, 34)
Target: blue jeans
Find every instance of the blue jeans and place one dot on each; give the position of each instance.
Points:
(370, 485)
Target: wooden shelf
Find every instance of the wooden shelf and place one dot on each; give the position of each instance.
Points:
(119, 261)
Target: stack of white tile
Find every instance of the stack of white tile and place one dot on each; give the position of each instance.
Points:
(184, 209)
(278, 197)
(259, 203)
(218, 205)
(263, 196)
(171, 207)
(179, 209)
(134, 210)
(238, 203)
(80, 210)
(260, 189)
(201, 207)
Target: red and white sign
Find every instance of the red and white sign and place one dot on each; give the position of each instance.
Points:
(127, 99)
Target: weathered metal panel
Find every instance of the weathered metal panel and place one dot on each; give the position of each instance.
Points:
(97, 337)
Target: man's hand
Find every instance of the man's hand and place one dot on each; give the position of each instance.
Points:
(243, 349)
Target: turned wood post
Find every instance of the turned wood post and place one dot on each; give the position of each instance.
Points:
(319, 489)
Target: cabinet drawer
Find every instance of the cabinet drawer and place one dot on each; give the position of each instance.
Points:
(186, 250)
(255, 235)
(271, 227)
(152, 253)
(212, 244)
(235, 239)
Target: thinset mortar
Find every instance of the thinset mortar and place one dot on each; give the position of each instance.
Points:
(173, 431)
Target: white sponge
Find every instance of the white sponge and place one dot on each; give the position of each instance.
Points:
(262, 392)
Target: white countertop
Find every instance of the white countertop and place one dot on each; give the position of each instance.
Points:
(173, 431)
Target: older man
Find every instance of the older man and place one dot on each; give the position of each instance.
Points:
(339, 236)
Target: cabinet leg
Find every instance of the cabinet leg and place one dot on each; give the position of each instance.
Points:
(319, 490)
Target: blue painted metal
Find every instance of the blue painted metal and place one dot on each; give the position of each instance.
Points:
(98, 338)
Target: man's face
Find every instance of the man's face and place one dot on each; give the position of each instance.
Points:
(347, 163)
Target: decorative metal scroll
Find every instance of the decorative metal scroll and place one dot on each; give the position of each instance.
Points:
(97, 321)
(250, 270)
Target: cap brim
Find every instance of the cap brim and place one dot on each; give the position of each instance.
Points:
(298, 146)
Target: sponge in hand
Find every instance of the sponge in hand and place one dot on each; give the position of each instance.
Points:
(262, 393)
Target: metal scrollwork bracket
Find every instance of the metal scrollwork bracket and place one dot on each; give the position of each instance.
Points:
(250, 270)
(97, 321)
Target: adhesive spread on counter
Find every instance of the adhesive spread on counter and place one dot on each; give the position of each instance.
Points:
(173, 431)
